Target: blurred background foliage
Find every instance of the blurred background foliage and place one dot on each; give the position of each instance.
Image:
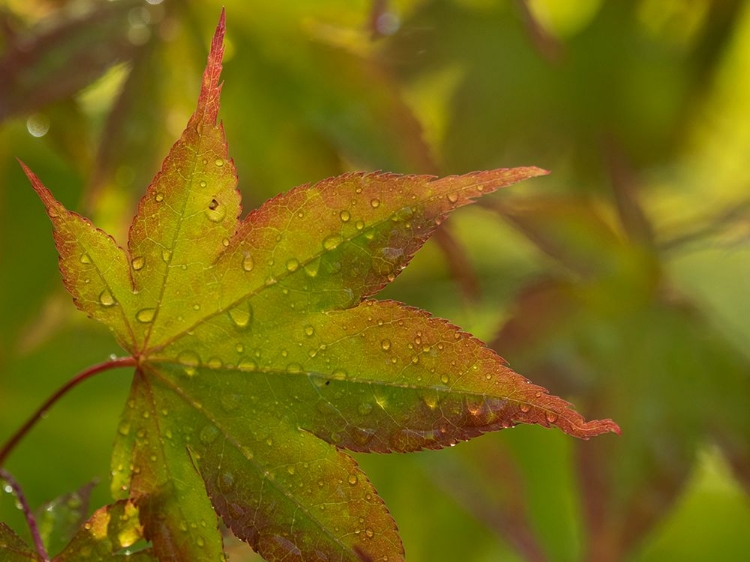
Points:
(619, 282)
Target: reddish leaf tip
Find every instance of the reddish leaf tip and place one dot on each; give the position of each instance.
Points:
(44, 194)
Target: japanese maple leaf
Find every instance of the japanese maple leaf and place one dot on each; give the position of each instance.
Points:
(260, 354)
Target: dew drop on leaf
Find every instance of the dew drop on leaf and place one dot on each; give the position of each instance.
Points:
(375, 203)
(309, 330)
(52, 212)
(345, 216)
(525, 408)
(165, 255)
(145, 315)
(385, 344)
(247, 365)
(247, 262)
(445, 379)
(453, 197)
(353, 479)
(551, 417)
(214, 363)
(216, 212)
(332, 242)
(138, 263)
(203, 183)
(106, 298)
(241, 314)
(312, 267)
(85, 258)
(124, 428)
(360, 225)
(292, 265)
(219, 162)
(189, 361)
(159, 197)
(294, 368)
(339, 375)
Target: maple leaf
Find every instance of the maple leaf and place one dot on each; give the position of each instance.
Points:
(260, 355)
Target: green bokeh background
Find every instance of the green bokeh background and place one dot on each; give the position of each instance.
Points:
(619, 282)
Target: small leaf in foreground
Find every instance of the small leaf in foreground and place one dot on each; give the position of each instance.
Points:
(261, 355)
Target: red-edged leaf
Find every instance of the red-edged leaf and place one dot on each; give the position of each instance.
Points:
(258, 348)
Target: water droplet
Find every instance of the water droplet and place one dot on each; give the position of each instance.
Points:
(225, 242)
(353, 479)
(309, 330)
(312, 267)
(247, 262)
(292, 265)
(165, 255)
(339, 374)
(85, 258)
(332, 242)
(189, 361)
(525, 408)
(551, 417)
(145, 315)
(203, 183)
(219, 162)
(445, 379)
(138, 263)
(239, 347)
(453, 197)
(209, 434)
(385, 344)
(360, 225)
(415, 359)
(215, 363)
(247, 365)
(159, 197)
(364, 408)
(291, 470)
(124, 428)
(106, 298)
(200, 541)
(216, 212)
(370, 533)
(294, 368)
(480, 188)
(345, 216)
(375, 203)
(241, 314)
(269, 442)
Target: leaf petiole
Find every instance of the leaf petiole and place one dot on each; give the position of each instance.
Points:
(30, 520)
(80, 377)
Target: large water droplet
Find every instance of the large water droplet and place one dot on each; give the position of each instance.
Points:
(345, 216)
(292, 265)
(215, 211)
(219, 162)
(159, 197)
(360, 225)
(332, 242)
(241, 314)
(353, 479)
(190, 362)
(247, 262)
(145, 315)
(247, 365)
(138, 263)
(215, 363)
(453, 197)
(106, 298)
(375, 203)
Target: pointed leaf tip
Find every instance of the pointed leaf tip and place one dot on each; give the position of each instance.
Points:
(208, 101)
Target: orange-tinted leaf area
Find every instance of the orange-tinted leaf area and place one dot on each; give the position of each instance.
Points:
(262, 356)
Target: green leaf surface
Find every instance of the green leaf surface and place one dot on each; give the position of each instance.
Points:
(258, 348)
(13, 548)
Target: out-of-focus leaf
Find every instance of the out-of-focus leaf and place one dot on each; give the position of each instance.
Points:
(59, 519)
(51, 64)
